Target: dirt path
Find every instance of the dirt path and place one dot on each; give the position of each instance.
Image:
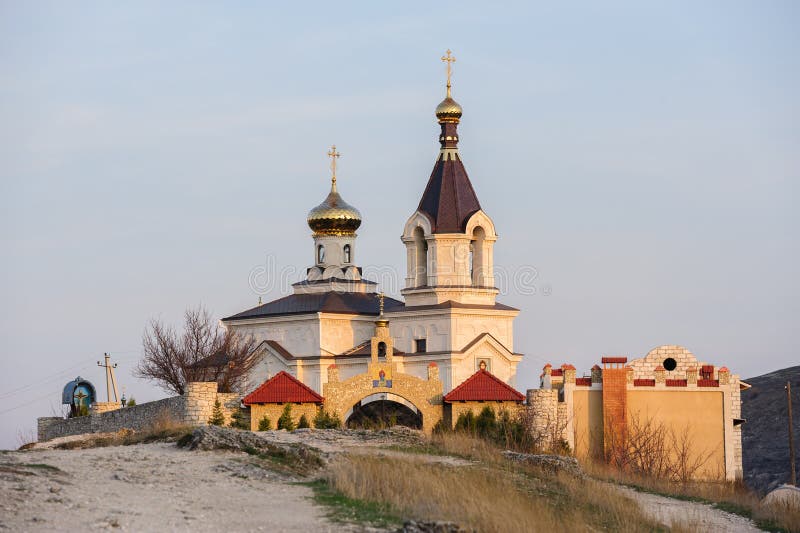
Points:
(160, 487)
(149, 487)
(691, 515)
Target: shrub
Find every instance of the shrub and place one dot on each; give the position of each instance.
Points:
(264, 424)
(285, 421)
(131, 402)
(239, 420)
(466, 422)
(486, 423)
(217, 416)
(303, 423)
(504, 430)
(325, 420)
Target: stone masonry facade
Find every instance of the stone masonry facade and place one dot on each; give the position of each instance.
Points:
(193, 408)
(667, 384)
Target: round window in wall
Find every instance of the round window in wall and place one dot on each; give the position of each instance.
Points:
(670, 364)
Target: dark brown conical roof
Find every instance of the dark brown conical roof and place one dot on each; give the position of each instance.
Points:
(449, 199)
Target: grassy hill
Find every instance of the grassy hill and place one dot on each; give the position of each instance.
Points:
(765, 437)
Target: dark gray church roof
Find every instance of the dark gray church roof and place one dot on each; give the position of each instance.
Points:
(357, 303)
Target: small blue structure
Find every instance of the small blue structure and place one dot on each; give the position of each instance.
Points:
(79, 394)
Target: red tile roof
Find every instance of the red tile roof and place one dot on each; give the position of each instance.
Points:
(583, 382)
(483, 386)
(613, 359)
(282, 388)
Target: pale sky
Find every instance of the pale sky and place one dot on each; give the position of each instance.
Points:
(644, 160)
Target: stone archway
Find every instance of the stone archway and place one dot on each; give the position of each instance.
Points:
(381, 378)
(383, 409)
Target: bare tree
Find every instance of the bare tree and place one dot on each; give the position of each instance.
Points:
(650, 448)
(204, 351)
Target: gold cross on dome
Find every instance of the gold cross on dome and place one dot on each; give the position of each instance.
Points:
(334, 155)
(449, 59)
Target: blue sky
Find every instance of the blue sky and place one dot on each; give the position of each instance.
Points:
(643, 159)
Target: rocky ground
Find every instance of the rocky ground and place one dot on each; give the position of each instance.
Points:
(216, 482)
(149, 487)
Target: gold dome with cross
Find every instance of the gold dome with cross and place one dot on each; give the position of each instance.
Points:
(334, 216)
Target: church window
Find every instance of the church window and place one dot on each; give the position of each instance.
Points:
(320, 254)
(670, 364)
(421, 267)
(472, 261)
(381, 349)
(476, 255)
(346, 253)
(420, 345)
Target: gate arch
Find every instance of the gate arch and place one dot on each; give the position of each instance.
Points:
(425, 395)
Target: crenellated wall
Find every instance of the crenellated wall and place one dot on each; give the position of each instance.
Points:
(696, 403)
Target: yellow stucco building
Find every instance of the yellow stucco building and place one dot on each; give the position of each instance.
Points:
(692, 408)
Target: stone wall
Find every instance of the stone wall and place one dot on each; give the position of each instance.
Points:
(424, 394)
(194, 408)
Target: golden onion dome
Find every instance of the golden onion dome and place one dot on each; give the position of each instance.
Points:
(334, 216)
(448, 111)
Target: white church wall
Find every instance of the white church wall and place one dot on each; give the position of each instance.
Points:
(342, 332)
(300, 336)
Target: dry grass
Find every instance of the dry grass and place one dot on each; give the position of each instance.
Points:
(472, 497)
(490, 496)
(731, 497)
(467, 446)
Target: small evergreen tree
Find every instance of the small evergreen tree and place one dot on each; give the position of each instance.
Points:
(285, 421)
(303, 423)
(131, 402)
(264, 424)
(466, 422)
(239, 420)
(486, 423)
(324, 420)
(217, 416)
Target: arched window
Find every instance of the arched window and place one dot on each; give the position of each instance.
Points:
(381, 349)
(477, 260)
(346, 253)
(421, 267)
(320, 254)
(472, 262)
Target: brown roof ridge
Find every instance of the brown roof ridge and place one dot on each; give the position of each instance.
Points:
(275, 345)
(355, 348)
(474, 341)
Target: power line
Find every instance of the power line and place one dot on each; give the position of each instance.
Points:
(84, 364)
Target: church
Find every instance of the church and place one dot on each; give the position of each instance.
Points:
(450, 318)
(339, 346)
(339, 349)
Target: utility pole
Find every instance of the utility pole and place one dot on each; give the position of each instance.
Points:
(110, 381)
(792, 474)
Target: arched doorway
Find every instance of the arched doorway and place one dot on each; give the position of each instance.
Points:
(382, 410)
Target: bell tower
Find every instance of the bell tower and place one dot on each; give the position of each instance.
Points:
(449, 239)
(334, 223)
